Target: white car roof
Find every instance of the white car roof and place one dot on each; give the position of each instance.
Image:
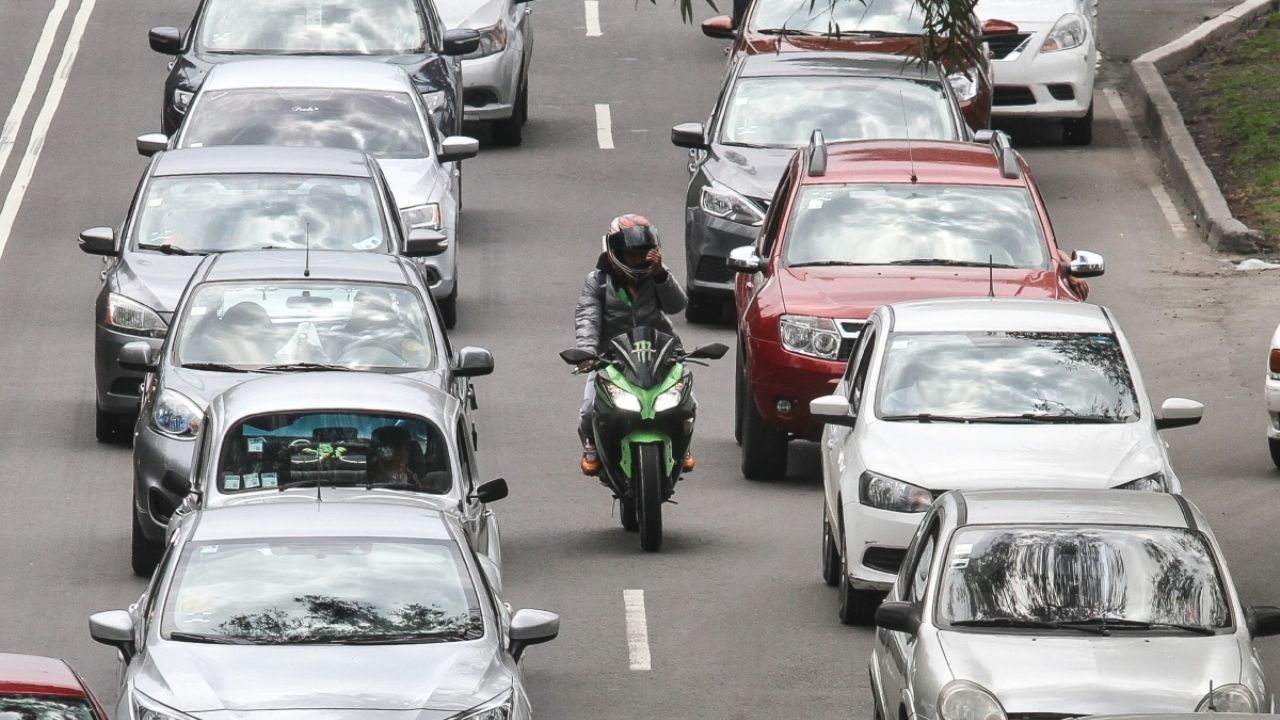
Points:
(1074, 506)
(999, 315)
(310, 72)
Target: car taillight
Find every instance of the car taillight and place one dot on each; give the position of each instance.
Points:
(1275, 361)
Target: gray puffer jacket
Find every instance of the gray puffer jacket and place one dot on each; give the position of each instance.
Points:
(605, 310)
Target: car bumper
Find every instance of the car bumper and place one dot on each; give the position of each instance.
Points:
(1056, 85)
(876, 541)
(707, 243)
(1273, 408)
(490, 85)
(118, 390)
(154, 457)
(778, 375)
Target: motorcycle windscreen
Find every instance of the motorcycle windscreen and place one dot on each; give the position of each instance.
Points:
(645, 355)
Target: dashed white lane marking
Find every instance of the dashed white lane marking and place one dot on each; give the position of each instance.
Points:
(604, 127)
(1167, 206)
(40, 130)
(39, 58)
(637, 629)
(592, 8)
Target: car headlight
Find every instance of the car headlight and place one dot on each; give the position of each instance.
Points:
(144, 708)
(175, 415)
(434, 101)
(964, 84)
(131, 316)
(964, 700)
(182, 99)
(1229, 698)
(886, 493)
(421, 216)
(499, 708)
(1069, 32)
(669, 398)
(623, 399)
(1155, 482)
(722, 202)
(812, 336)
(493, 39)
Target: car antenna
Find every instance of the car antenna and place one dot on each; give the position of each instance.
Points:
(306, 272)
(906, 131)
(991, 276)
(1211, 706)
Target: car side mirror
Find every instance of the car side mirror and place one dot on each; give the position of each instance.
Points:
(1085, 264)
(461, 41)
(458, 147)
(714, 351)
(176, 484)
(689, 135)
(165, 40)
(99, 241)
(719, 27)
(833, 410)
(152, 143)
(473, 362)
(137, 356)
(573, 356)
(492, 491)
(1179, 412)
(1263, 620)
(425, 242)
(531, 627)
(993, 28)
(744, 260)
(898, 616)
(112, 627)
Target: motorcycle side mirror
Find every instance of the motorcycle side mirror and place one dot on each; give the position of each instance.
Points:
(573, 356)
(714, 351)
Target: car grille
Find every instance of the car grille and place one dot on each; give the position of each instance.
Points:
(884, 559)
(849, 332)
(1005, 44)
(711, 268)
(1013, 95)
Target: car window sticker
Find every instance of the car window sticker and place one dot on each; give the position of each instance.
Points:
(251, 481)
(231, 482)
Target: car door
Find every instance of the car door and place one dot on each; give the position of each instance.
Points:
(474, 514)
(896, 659)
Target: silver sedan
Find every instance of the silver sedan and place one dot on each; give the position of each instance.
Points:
(495, 76)
(322, 611)
(1061, 603)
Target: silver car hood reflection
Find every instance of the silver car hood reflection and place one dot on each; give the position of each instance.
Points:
(1082, 675)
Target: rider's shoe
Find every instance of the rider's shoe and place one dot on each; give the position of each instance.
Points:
(689, 463)
(590, 463)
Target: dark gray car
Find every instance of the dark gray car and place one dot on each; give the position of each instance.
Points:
(768, 106)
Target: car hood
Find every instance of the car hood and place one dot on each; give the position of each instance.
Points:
(853, 292)
(1087, 675)
(202, 386)
(753, 172)
(413, 181)
(1021, 12)
(989, 456)
(439, 676)
(470, 13)
(154, 280)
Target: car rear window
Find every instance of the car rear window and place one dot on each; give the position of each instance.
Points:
(338, 27)
(821, 16)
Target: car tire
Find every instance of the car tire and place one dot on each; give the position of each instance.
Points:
(739, 393)
(510, 132)
(112, 428)
(1275, 450)
(1079, 132)
(703, 310)
(144, 556)
(830, 553)
(764, 448)
(857, 607)
(449, 308)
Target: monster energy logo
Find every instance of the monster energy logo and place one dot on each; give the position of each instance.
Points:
(643, 350)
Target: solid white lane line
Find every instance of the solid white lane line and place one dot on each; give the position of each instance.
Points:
(592, 8)
(1167, 206)
(39, 58)
(604, 127)
(637, 629)
(40, 130)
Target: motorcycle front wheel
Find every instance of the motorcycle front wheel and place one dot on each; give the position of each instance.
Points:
(647, 484)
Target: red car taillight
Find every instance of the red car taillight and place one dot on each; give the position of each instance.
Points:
(1275, 361)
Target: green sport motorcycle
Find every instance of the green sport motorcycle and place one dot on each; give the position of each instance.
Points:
(643, 420)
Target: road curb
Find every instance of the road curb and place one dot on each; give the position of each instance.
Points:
(1175, 146)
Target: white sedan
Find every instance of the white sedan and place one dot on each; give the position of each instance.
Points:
(1273, 398)
(977, 394)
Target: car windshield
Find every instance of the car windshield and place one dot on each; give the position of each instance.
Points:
(383, 124)
(1055, 574)
(864, 224)
(1030, 376)
(195, 214)
(305, 325)
(44, 707)
(783, 111)
(874, 16)
(269, 452)
(304, 27)
(316, 590)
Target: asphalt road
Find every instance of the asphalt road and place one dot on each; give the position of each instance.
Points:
(739, 624)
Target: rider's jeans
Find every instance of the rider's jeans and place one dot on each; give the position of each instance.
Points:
(585, 412)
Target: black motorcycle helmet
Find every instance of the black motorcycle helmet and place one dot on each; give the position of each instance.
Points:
(629, 240)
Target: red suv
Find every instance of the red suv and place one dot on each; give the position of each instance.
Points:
(856, 225)
(40, 687)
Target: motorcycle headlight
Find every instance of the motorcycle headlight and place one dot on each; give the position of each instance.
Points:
(1229, 698)
(1155, 482)
(965, 84)
(144, 708)
(812, 336)
(722, 202)
(886, 493)
(182, 99)
(434, 101)
(623, 399)
(1069, 32)
(421, 216)
(964, 700)
(493, 39)
(175, 415)
(131, 316)
(669, 398)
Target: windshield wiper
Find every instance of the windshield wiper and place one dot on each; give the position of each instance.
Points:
(1036, 418)
(385, 639)
(302, 367)
(828, 263)
(881, 33)
(217, 367)
(927, 418)
(1029, 624)
(948, 262)
(790, 31)
(1123, 623)
(167, 249)
(210, 639)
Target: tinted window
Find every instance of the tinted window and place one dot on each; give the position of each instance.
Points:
(215, 213)
(383, 124)
(783, 111)
(349, 27)
(43, 707)
(299, 590)
(1072, 377)
(916, 224)
(891, 16)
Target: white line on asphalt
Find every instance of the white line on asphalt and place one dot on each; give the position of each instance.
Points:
(39, 58)
(40, 130)
(1171, 215)
(637, 629)
(604, 127)
(593, 17)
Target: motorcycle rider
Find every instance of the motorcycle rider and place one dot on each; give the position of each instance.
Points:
(629, 287)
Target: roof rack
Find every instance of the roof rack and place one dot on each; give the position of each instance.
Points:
(1006, 156)
(817, 154)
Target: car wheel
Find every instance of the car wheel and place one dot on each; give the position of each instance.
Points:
(830, 553)
(510, 132)
(702, 310)
(739, 393)
(112, 428)
(144, 556)
(1275, 450)
(1079, 132)
(523, 101)
(764, 448)
(857, 607)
